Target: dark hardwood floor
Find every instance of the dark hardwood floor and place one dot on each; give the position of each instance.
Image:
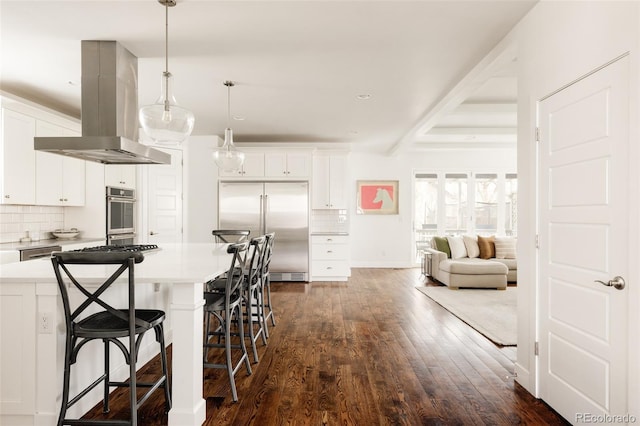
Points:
(370, 351)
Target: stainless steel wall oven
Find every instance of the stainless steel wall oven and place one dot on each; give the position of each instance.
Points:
(121, 213)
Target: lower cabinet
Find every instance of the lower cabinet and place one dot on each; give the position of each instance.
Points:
(330, 258)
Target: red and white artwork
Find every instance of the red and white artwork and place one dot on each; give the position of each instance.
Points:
(377, 197)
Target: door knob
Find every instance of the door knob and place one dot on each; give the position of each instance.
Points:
(152, 233)
(617, 283)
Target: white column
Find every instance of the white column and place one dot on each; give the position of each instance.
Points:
(189, 407)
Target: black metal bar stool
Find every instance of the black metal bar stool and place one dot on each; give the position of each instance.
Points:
(231, 235)
(266, 282)
(254, 306)
(224, 304)
(109, 325)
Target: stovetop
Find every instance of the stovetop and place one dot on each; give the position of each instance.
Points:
(121, 248)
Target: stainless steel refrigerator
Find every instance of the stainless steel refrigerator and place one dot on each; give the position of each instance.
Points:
(279, 207)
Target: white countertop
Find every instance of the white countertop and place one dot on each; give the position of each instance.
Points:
(50, 242)
(172, 263)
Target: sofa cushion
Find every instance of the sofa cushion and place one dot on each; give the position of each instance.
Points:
(442, 245)
(458, 249)
(471, 243)
(512, 264)
(487, 247)
(505, 247)
(473, 267)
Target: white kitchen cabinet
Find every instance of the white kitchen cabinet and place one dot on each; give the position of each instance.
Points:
(329, 182)
(287, 165)
(18, 158)
(18, 343)
(9, 256)
(120, 175)
(60, 180)
(253, 166)
(330, 257)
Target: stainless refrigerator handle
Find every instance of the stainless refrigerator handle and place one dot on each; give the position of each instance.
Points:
(261, 215)
(264, 213)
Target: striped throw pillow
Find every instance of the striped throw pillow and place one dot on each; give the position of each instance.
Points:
(505, 247)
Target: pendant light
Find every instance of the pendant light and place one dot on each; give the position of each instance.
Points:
(227, 157)
(165, 122)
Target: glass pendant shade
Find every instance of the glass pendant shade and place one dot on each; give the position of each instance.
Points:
(227, 157)
(165, 121)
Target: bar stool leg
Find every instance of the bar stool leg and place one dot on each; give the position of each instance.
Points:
(105, 398)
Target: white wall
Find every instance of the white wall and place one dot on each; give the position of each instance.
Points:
(379, 241)
(559, 42)
(200, 189)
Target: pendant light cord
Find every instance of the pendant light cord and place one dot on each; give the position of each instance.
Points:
(166, 37)
(229, 106)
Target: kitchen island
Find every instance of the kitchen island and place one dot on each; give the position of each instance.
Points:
(32, 331)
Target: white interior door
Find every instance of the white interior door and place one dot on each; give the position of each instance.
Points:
(583, 192)
(165, 200)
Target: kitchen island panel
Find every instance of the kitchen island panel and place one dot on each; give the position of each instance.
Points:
(176, 273)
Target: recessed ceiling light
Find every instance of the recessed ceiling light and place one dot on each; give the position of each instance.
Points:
(363, 97)
(238, 117)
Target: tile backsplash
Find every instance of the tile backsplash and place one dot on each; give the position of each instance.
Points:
(16, 221)
(329, 221)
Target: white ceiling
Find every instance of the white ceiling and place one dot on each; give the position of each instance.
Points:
(298, 65)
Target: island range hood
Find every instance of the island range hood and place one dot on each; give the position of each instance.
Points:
(109, 111)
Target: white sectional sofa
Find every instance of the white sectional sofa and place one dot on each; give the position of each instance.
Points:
(463, 265)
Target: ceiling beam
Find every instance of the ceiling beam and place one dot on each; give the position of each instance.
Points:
(502, 54)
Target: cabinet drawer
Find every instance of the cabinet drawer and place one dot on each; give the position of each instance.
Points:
(330, 251)
(329, 239)
(330, 268)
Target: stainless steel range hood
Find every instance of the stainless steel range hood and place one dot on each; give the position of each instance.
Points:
(109, 111)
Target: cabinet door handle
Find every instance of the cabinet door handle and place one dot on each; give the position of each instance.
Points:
(329, 251)
(7, 196)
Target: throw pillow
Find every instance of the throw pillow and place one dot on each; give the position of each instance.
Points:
(471, 243)
(505, 248)
(458, 250)
(442, 245)
(487, 247)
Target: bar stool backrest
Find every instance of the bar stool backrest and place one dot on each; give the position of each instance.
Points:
(234, 281)
(266, 255)
(231, 235)
(126, 260)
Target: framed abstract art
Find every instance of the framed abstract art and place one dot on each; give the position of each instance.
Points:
(377, 197)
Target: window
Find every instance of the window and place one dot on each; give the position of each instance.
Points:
(463, 203)
(486, 204)
(426, 210)
(456, 214)
(511, 204)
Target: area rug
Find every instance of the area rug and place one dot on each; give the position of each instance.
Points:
(490, 312)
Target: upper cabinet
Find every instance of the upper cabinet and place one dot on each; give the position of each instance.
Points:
(120, 175)
(60, 180)
(18, 158)
(272, 164)
(34, 177)
(253, 166)
(330, 186)
(287, 164)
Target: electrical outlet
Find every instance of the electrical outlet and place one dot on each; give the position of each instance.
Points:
(45, 323)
